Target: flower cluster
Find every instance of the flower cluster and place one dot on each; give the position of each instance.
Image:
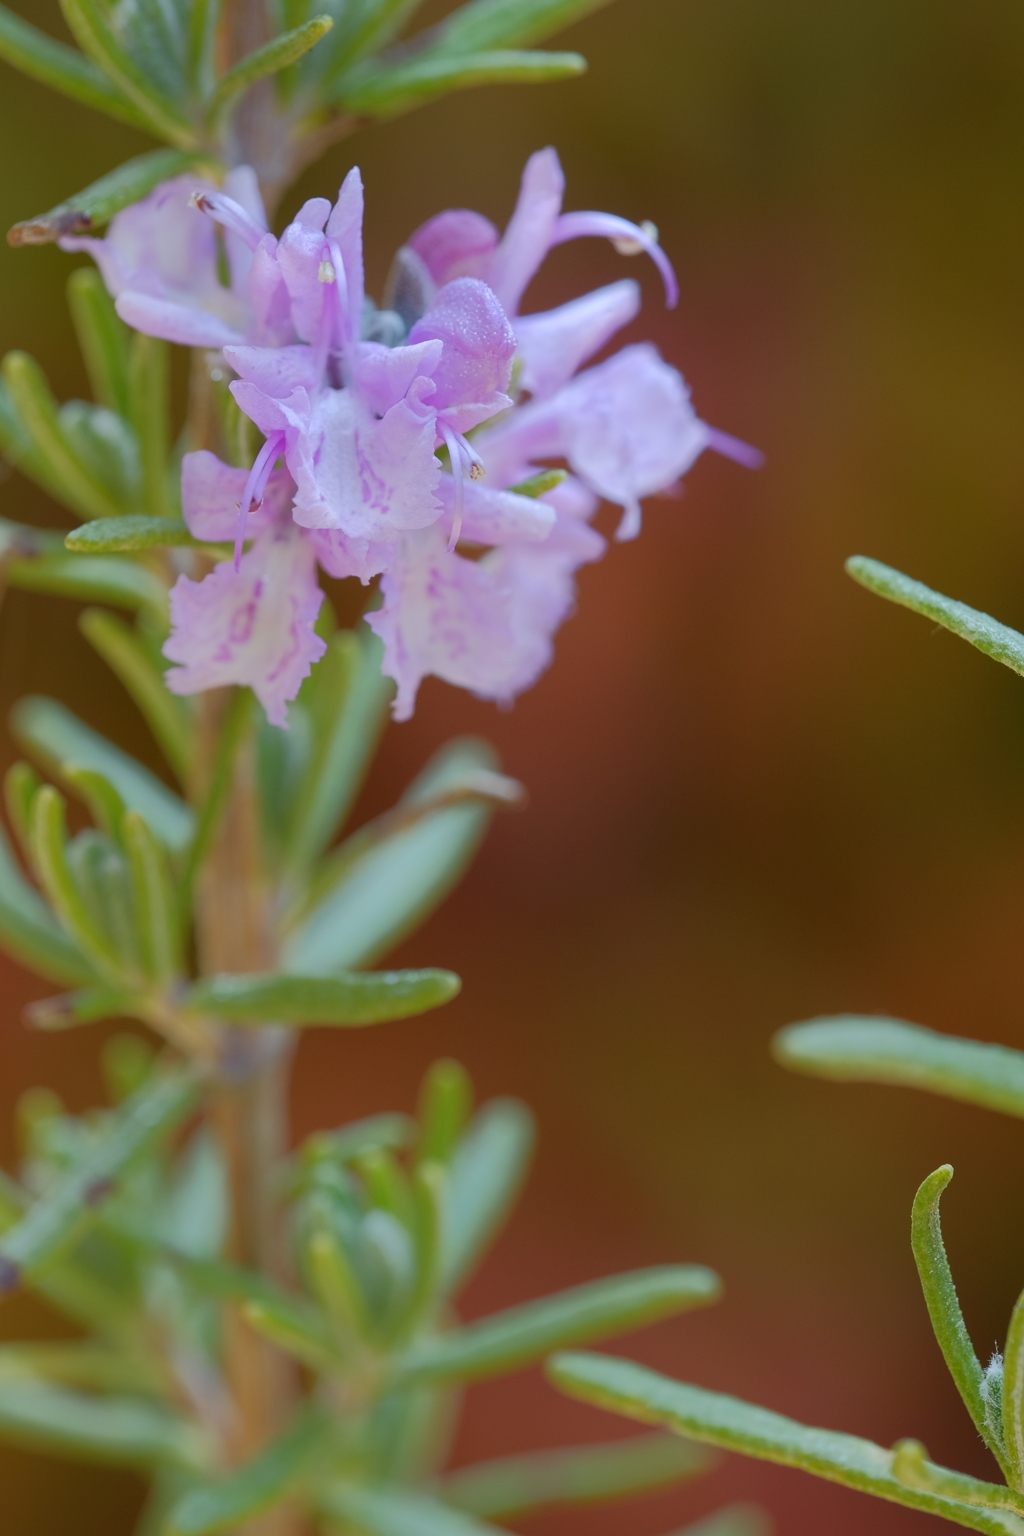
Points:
(407, 443)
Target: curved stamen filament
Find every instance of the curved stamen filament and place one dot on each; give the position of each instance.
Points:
(255, 488)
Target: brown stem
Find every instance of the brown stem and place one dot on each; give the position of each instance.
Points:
(248, 1108)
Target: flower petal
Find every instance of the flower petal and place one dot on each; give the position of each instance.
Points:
(345, 229)
(478, 341)
(252, 626)
(384, 375)
(554, 344)
(528, 237)
(212, 490)
(456, 243)
(185, 324)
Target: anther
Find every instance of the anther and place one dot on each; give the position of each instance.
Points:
(325, 272)
(628, 247)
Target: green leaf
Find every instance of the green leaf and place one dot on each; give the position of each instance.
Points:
(987, 634)
(446, 1100)
(149, 371)
(56, 737)
(20, 785)
(546, 480)
(169, 717)
(95, 205)
(580, 1474)
(711, 1417)
(103, 338)
(347, 696)
(357, 999)
(944, 1308)
(393, 1512)
(254, 1488)
(90, 26)
(66, 476)
(87, 1006)
(59, 1216)
(123, 1430)
(105, 804)
(273, 56)
(911, 1467)
(386, 90)
(29, 931)
(62, 68)
(369, 28)
(735, 1520)
(485, 1177)
(1013, 1396)
(373, 1134)
(509, 23)
(509, 1339)
(155, 903)
(869, 1050)
(298, 1334)
(388, 882)
(232, 730)
(99, 1367)
(135, 530)
(90, 579)
(50, 858)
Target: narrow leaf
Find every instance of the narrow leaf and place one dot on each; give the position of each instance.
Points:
(357, 999)
(394, 1512)
(385, 91)
(485, 1177)
(446, 1100)
(714, 1419)
(911, 1467)
(370, 1135)
(254, 1488)
(1013, 1395)
(64, 69)
(273, 56)
(120, 1430)
(68, 477)
(103, 338)
(168, 716)
(50, 859)
(155, 905)
(95, 205)
(389, 884)
(135, 530)
(90, 579)
(734, 1520)
(86, 1006)
(581, 1474)
(90, 26)
(55, 737)
(509, 23)
(546, 479)
(59, 1216)
(29, 931)
(149, 370)
(513, 1338)
(21, 783)
(943, 1306)
(987, 634)
(869, 1050)
(348, 697)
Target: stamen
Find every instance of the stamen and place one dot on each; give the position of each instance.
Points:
(630, 247)
(325, 272)
(255, 487)
(734, 448)
(224, 210)
(455, 456)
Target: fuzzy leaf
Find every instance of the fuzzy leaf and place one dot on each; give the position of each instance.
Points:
(64, 69)
(711, 1417)
(485, 1176)
(380, 888)
(386, 90)
(136, 530)
(987, 634)
(356, 999)
(869, 1050)
(55, 737)
(268, 60)
(96, 204)
(507, 1340)
(580, 1474)
(89, 21)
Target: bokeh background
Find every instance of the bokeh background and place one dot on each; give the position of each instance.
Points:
(757, 793)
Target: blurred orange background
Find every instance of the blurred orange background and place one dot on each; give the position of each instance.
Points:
(757, 793)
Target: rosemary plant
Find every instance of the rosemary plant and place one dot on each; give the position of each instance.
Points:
(267, 1330)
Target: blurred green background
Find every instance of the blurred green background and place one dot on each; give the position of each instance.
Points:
(757, 793)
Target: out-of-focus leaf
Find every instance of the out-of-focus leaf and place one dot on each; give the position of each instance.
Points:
(509, 23)
(944, 1308)
(194, 1218)
(347, 696)
(350, 1141)
(55, 737)
(66, 476)
(360, 998)
(84, 1007)
(169, 717)
(99, 1367)
(507, 1340)
(254, 1488)
(390, 884)
(485, 1176)
(123, 1430)
(579, 1474)
(979, 629)
(90, 25)
(268, 60)
(63, 888)
(382, 90)
(394, 1512)
(52, 63)
(91, 208)
(90, 579)
(735, 1520)
(29, 931)
(106, 447)
(870, 1050)
(103, 338)
(57, 1217)
(446, 1100)
(711, 1417)
(136, 530)
(155, 905)
(150, 370)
